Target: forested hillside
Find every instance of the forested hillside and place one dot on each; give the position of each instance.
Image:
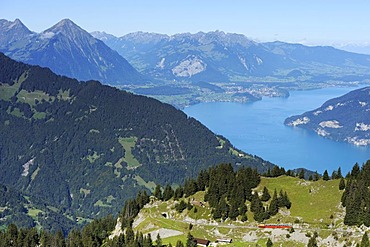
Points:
(84, 148)
(237, 200)
(345, 118)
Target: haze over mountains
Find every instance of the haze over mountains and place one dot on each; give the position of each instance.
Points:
(68, 50)
(208, 57)
(218, 56)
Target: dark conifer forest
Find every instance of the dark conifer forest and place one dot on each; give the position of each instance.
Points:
(84, 148)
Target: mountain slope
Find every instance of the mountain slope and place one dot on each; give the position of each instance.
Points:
(12, 31)
(218, 57)
(84, 148)
(68, 50)
(305, 216)
(345, 118)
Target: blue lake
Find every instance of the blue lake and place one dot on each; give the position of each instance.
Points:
(257, 128)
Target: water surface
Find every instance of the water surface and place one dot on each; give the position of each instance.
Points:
(258, 128)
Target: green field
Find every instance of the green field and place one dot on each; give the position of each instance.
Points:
(312, 202)
(128, 143)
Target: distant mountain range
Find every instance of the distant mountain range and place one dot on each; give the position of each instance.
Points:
(363, 48)
(84, 148)
(219, 57)
(67, 50)
(346, 118)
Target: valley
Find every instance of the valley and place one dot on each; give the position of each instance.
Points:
(183, 139)
(95, 145)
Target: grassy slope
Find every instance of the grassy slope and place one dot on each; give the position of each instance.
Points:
(312, 203)
(128, 144)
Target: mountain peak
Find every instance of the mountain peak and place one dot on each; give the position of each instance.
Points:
(6, 25)
(103, 35)
(18, 22)
(11, 31)
(66, 21)
(66, 27)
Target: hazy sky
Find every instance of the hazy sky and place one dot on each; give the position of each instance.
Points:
(308, 21)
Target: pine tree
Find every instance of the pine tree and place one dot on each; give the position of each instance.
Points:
(234, 211)
(276, 172)
(11, 235)
(286, 201)
(365, 240)
(355, 171)
(179, 243)
(312, 242)
(180, 206)
(342, 184)
(139, 238)
(203, 180)
(74, 239)
(237, 193)
(334, 175)
(301, 174)
(158, 241)
(32, 238)
(168, 193)
(269, 243)
(268, 173)
(142, 199)
(243, 209)
(120, 241)
(179, 192)
(148, 241)
(259, 212)
(261, 215)
(190, 187)
(325, 176)
(339, 173)
(353, 208)
(255, 203)
(46, 239)
(190, 242)
(158, 192)
(316, 176)
(130, 235)
(265, 195)
(224, 208)
(274, 206)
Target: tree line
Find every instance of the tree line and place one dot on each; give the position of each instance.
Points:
(356, 196)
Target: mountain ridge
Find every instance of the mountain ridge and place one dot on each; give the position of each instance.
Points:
(69, 50)
(233, 57)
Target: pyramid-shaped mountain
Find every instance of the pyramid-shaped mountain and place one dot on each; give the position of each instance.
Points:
(68, 50)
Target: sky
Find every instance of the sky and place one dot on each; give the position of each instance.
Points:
(310, 22)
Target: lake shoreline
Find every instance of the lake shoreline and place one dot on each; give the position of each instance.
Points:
(258, 128)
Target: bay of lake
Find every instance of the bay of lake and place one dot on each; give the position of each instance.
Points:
(258, 128)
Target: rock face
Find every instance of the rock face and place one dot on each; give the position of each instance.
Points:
(68, 50)
(221, 57)
(346, 118)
